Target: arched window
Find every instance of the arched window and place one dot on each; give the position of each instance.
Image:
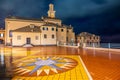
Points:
(52, 29)
(47, 29)
(62, 30)
(43, 28)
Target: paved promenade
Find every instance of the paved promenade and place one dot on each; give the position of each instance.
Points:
(101, 64)
(70, 71)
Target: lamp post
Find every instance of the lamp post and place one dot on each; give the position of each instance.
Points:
(72, 42)
(109, 46)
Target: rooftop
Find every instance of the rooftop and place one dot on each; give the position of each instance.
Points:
(24, 18)
(29, 28)
(51, 24)
(50, 18)
(86, 34)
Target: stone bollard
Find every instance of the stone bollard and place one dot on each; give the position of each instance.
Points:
(64, 44)
(57, 43)
(78, 44)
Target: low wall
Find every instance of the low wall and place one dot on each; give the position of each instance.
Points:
(69, 46)
(106, 49)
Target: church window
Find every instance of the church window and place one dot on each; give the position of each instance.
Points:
(53, 36)
(43, 28)
(62, 30)
(19, 37)
(52, 29)
(46, 28)
(45, 36)
(56, 29)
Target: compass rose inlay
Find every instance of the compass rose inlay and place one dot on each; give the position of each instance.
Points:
(42, 66)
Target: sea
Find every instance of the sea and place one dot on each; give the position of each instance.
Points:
(110, 45)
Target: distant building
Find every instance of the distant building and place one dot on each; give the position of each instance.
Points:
(88, 39)
(2, 36)
(45, 31)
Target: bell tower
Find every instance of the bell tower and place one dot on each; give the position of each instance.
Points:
(51, 12)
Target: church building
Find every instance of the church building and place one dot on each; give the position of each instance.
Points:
(86, 39)
(42, 31)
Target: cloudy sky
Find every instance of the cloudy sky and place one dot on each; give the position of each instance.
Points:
(101, 17)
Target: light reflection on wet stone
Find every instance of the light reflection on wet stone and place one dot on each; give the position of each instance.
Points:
(109, 59)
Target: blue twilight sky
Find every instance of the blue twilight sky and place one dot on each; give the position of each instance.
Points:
(101, 17)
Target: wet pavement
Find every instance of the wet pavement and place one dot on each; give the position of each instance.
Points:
(102, 65)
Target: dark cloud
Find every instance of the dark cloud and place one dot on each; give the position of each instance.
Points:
(100, 1)
(101, 17)
(82, 8)
(26, 8)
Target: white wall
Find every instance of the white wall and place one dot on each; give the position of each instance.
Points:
(24, 35)
(49, 32)
(70, 35)
(12, 24)
(61, 36)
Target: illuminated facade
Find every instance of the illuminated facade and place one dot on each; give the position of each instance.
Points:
(88, 39)
(45, 31)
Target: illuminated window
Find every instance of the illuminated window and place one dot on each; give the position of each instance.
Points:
(18, 37)
(2, 35)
